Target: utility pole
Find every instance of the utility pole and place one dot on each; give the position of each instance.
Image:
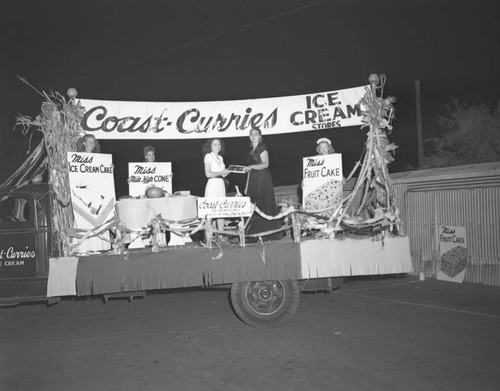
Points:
(420, 141)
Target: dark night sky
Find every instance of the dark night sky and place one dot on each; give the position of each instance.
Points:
(194, 50)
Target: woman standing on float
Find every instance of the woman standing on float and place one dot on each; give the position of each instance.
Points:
(260, 188)
(324, 146)
(89, 144)
(149, 154)
(215, 171)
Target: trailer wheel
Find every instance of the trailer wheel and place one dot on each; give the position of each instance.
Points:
(265, 304)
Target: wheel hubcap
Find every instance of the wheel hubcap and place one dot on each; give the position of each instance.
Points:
(265, 297)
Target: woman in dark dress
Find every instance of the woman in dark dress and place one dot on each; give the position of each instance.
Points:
(260, 188)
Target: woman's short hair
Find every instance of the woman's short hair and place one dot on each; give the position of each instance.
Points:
(207, 147)
(80, 146)
(326, 141)
(149, 148)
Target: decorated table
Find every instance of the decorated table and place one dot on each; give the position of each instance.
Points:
(138, 212)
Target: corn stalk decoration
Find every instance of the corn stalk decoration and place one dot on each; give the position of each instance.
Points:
(378, 208)
(59, 122)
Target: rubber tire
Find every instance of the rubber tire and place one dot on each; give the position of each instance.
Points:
(288, 303)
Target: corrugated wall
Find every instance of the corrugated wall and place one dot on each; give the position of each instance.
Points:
(477, 209)
(419, 223)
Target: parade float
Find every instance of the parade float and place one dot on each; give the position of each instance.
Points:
(50, 215)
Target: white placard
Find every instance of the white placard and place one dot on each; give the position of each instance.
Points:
(453, 253)
(92, 194)
(322, 182)
(215, 207)
(141, 175)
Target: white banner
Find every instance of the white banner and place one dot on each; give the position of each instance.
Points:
(322, 182)
(141, 175)
(92, 194)
(234, 118)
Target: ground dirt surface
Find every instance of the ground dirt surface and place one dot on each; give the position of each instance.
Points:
(371, 334)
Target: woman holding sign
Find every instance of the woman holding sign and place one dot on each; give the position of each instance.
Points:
(215, 171)
(149, 154)
(260, 187)
(89, 144)
(324, 146)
